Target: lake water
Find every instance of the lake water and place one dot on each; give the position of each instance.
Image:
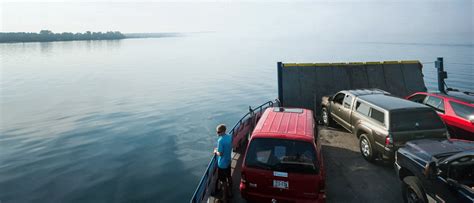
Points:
(133, 120)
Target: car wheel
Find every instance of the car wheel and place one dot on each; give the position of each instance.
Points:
(366, 148)
(412, 190)
(327, 121)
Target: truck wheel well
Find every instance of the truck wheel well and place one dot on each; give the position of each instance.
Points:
(360, 132)
(404, 173)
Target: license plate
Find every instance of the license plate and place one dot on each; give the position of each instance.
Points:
(280, 184)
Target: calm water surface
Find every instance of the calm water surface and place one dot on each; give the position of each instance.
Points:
(133, 120)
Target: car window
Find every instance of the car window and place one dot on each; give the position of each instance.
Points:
(419, 98)
(282, 155)
(423, 119)
(348, 101)
(462, 110)
(362, 108)
(441, 106)
(377, 115)
(436, 103)
(338, 98)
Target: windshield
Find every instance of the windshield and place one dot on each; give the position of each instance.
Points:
(445, 155)
(282, 155)
(406, 120)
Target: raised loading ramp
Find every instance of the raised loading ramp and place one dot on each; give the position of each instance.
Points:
(303, 84)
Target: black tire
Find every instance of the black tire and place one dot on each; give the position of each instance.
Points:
(326, 117)
(366, 149)
(412, 190)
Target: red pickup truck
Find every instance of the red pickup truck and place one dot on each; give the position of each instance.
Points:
(455, 108)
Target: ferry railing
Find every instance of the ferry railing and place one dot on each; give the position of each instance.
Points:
(208, 179)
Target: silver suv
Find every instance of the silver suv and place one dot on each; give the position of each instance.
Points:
(382, 122)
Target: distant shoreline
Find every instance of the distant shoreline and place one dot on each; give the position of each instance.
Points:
(49, 36)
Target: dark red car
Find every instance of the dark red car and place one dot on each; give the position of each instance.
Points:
(283, 161)
(455, 108)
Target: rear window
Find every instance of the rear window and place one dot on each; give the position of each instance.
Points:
(406, 120)
(462, 110)
(377, 115)
(282, 155)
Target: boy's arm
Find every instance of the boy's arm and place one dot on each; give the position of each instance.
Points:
(219, 150)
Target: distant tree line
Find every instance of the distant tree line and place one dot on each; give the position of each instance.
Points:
(48, 36)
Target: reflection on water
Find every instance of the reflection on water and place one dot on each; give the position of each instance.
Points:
(133, 120)
(45, 47)
(10, 49)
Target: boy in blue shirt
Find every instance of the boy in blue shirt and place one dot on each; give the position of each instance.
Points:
(223, 153)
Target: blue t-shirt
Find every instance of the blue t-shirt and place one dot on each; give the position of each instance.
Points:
(224, 146)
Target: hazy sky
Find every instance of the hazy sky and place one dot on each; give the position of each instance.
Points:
(359, 18)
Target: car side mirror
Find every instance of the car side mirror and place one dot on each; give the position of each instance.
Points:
(453, 183)
(430, 170)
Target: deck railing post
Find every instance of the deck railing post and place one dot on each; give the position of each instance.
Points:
(441, 74)
(280, 84)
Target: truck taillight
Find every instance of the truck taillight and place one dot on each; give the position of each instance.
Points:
(322, 189)
(243, 179)
(322, 186)
(243, 182)
(388, 141)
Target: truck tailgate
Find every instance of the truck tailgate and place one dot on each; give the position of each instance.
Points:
(400, 138)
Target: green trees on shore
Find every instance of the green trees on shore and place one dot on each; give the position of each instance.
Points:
(48, 36)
